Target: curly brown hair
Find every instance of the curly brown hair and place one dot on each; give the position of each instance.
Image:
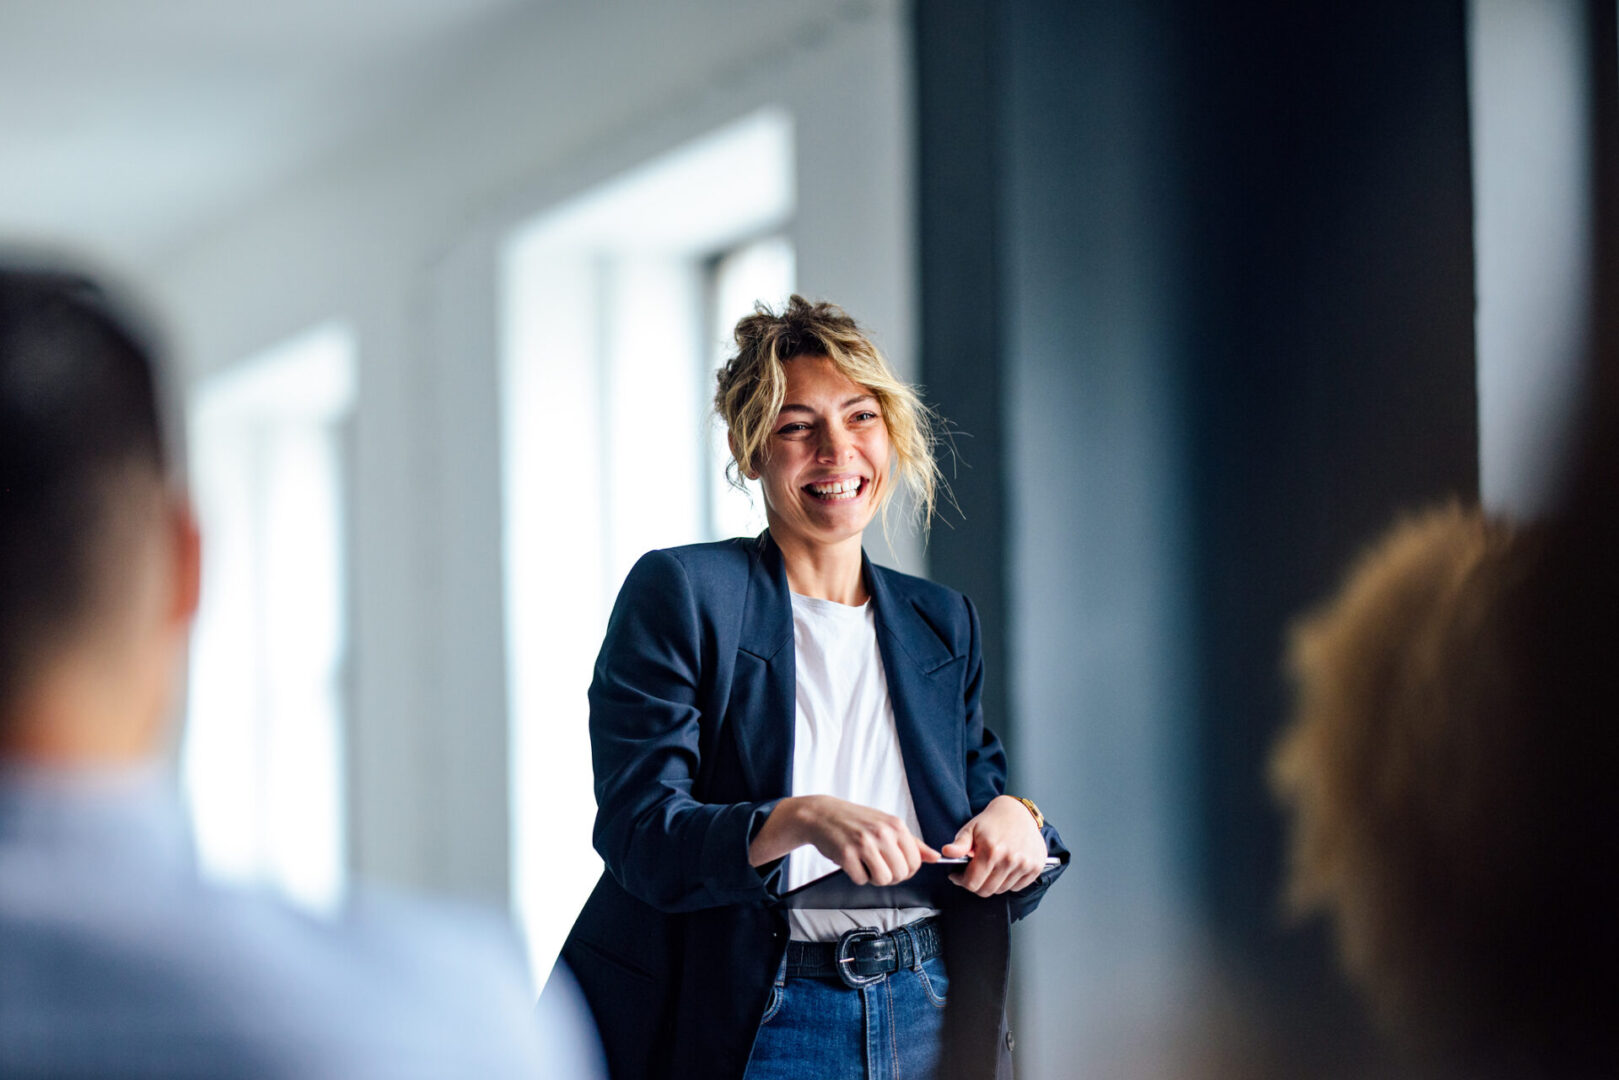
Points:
(1451, 819)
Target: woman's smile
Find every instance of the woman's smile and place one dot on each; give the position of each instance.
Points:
(838, 490)
(827, 458)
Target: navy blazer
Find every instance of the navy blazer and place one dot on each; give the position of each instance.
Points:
(692, 715)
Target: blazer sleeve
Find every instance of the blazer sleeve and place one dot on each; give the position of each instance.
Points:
(662, 845)
(986, 769)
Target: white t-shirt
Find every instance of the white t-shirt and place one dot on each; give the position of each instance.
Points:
(845, 744)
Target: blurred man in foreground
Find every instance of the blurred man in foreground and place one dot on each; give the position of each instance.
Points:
(114, 958)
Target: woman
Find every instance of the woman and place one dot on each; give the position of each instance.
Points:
(766, 709)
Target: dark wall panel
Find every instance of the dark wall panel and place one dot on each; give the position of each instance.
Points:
(1328, 347)
(959, 177)
(1218, 260)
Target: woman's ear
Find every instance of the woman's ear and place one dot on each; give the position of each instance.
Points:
(747, 468)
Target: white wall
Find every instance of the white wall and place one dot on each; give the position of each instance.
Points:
(1531, 128)
(399, 236)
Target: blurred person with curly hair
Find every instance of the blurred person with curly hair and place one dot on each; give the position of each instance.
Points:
(1452, 774)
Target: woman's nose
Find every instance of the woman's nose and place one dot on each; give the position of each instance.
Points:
(834, 444)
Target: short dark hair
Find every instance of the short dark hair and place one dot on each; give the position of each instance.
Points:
(79, 408)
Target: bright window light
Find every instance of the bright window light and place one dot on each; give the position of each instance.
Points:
(760, 271)
(610, 305)
(262, 758)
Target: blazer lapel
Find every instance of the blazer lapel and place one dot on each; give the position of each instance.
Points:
(763, 685)
(924, 684)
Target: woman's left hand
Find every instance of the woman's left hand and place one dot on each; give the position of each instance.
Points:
(1006, 847)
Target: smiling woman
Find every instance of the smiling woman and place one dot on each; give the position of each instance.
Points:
(764, 401)
(824, 468)
(768, 710)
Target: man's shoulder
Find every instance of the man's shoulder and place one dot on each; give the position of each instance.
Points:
(384, 983)
(402, 935)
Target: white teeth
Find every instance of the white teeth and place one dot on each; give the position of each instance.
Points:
(837, 489)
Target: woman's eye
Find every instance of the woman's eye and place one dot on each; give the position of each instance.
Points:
(793, 429)
(866, 415)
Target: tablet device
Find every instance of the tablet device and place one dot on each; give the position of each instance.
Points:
(930, 886)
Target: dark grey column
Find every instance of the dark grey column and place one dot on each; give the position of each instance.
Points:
(1327, 336)
(960, 166)
(1231, 251)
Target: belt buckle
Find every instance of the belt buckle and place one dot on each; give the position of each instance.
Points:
(845, 956)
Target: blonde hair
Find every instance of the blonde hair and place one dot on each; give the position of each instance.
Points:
(752, 387)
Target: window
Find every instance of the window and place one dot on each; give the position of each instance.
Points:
(760, 270)
(262, 759)
(612, 304)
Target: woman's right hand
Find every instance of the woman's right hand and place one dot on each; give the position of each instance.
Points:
(869, 845)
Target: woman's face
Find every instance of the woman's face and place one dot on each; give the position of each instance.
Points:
(827, 466)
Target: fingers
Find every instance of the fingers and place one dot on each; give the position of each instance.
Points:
(988, 875)
(1007, 850)
(995, 880)
(851, 862)
(885, 863)
(899, 863)
(1027, 878)
(918, 853)
(899, 855)
(977, 874)
(1008, 878)
(971, 877)
(962, 845)
(1000, 864)
(871, 846)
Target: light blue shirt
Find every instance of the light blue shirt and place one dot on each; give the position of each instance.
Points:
(116, 959)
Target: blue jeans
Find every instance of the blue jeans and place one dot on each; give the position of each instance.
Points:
(820, 1029)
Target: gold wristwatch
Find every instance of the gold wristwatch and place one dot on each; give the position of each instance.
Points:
(1028, 804)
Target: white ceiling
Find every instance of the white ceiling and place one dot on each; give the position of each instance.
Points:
(733, 183)
(128, 125)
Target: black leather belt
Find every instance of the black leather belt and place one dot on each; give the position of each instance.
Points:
(862, 957)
